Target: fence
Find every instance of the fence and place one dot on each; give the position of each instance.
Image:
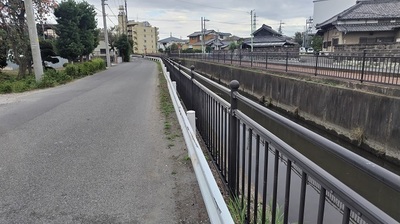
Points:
(260, 170)
(362, 67)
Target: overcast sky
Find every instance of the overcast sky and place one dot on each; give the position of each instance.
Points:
(182, 17)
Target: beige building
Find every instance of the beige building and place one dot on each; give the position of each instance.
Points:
(144, 36)
(367, 23)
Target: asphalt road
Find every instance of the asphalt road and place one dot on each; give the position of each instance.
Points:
(91, 151)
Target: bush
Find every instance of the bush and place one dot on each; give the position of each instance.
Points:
(47, 81)
(72, 71)
(5, 87)
(21, 86)
(99, 64)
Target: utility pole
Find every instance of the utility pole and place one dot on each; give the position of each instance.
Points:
(202, 36)
(280, 26)
(33, 37)
(252, 25)
(126, 18)
(106, 34)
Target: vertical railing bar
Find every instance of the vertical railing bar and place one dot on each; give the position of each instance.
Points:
(243, 158)
(256, 178)
(346, 215)
(265, 181)
(249, 167)
(275, 188)
(302, 197)
(321, 208)
(287, 191)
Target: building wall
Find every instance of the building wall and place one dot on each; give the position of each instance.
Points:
(352, 38)
(144, 36)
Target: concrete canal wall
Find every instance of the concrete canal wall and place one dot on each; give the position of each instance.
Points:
(365, 114)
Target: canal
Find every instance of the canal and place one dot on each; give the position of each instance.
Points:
(372, 189)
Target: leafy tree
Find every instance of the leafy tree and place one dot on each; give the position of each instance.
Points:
(78, 35)
(89, 34)
(298, 38)
(174, 47)
(160, 50)
(47, 52)
(232, 46)
(68, 43)
(124, 47)
(12, 20)
(316, 43)
(3, 49)
(208, 49)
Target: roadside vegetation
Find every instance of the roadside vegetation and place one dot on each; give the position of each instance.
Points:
(10, 82)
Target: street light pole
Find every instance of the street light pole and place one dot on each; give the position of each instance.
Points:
(33, 37)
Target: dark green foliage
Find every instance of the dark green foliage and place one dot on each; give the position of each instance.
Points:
(47, 52)
(124, 47)
(76, 30)
(298, 38)
(3, 49)
(6, 87)
(317, 42)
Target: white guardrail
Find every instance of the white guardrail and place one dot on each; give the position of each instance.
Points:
(216, 207)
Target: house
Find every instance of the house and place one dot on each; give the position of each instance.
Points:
(144, 36)
(365, 25)
(167, 42)
(212, 39)
(265, 38)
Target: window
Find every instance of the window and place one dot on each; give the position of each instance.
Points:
(145, 41)
(144, 30)
(145, 35)
(335, 41)
(102, 51)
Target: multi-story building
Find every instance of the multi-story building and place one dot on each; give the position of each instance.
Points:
(144, 36)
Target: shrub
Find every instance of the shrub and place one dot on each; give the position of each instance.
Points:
(99, 64)
(72, 71)
(48, 80)
(5, 87)
(20, 86)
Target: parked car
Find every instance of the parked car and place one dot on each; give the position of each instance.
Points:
(302, 50)
(310, 50)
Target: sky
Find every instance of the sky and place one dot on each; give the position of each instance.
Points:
(182, 17)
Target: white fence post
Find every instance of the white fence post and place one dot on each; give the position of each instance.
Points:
(174, 85)
(191, 114)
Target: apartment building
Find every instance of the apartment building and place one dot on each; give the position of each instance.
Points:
(144, 36)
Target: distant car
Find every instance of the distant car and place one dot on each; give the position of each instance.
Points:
(302, 50)
(310, 50)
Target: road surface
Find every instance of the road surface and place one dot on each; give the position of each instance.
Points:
(94, 151)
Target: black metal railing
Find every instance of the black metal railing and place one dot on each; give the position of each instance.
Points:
(362, 67)
(272, 182)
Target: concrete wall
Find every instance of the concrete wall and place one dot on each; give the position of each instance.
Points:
(370, 119)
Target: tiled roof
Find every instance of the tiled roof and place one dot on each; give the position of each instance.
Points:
(367, 27)
(264, 39)
(382, 9)
(268, 28)
(171, 39)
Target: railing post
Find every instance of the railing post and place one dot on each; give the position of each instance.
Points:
(233, 151)
(287, 60)
(191, 93)
(316, 64)
(240, 57)
(224, 57)
(231, 57)
(180, 64)
(251, 59)
(218, 56)
(363, 66)
(266, 60)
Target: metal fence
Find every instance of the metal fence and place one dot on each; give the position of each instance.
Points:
(362, 67)
(269, 180)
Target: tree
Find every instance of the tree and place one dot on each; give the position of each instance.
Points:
(174, 47)
(89, 34)
(47, 52)
(12, 20)
(3, 49)
(317, 42)
(298, 38)
(78, 35)
(232, 46)
(68, 43)
(124, 47)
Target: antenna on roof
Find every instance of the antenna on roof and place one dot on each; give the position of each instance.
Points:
(280, 26)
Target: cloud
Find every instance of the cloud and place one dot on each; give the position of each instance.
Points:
(182, 17)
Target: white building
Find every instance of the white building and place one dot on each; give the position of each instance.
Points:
(326, 9)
